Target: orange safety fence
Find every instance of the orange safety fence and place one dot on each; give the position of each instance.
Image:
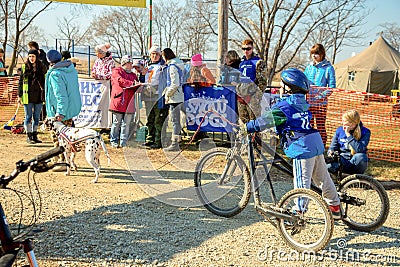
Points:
(379, 113)
(9, 100)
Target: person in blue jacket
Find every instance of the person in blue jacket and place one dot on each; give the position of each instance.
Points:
(351, 141)
(291, 118)
(320, 73)
(63, 98)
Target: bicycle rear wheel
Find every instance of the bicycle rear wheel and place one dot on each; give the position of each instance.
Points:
(368, 203)
(222, 182)
(314, 231)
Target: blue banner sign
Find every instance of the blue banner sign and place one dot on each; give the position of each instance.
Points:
(219, 99)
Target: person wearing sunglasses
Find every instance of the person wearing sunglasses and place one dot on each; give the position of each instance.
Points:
(248, 65)
(248, 93)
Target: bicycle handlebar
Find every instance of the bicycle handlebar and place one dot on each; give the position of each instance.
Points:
(23, 166)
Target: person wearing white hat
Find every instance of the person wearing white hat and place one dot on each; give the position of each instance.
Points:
(122, 104)
(104, 63)
(155, 114)
(101, 71)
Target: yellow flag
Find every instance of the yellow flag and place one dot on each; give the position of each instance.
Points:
(130, 3)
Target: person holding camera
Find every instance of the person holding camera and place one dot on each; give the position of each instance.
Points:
(351, 141)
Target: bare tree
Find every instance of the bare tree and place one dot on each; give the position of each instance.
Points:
(391, 33)
(280, 29)
(342, 27)
(70, 30)
(198, 26)
(19, 12)
(124, 28)
(168, 19)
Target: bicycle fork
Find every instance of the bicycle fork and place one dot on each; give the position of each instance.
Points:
(270, 212)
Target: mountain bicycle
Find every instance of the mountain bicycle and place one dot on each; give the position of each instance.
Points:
(10, 245)
(223, 183)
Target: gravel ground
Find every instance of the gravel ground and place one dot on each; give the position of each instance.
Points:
(144, 217)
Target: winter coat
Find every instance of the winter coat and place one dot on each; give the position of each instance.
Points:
(102, 68)
(31, 83)
(340, 142)
(321, 74)
(62, 90)
(174, 92)
(201, 76)
(291, 118)
(150, 93)
(3, 73)
(230, 73)
(43, 59)
(122, 93)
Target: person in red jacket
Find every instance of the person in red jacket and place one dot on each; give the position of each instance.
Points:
(122, 103)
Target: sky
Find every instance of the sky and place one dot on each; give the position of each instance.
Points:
(382, 11)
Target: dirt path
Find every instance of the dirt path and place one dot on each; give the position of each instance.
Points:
(144, 217)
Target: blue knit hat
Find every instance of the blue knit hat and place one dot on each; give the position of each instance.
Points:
(53, 56)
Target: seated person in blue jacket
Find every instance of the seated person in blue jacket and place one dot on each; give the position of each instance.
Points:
(302, 143)
(351, 141)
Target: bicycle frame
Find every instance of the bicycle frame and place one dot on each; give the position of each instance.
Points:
(277, 161)
(281, 164)
(11, 247)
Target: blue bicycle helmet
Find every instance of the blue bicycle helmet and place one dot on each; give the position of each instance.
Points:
(296, 80)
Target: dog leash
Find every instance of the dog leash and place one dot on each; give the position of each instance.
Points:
(194, 135)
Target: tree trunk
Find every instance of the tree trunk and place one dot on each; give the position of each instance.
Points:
(14, 55)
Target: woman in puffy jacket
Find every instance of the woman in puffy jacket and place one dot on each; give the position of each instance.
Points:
(173, 94)
(320, 73)
(351, 141)
(122, 103)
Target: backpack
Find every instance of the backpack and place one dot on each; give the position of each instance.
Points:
(162, 83)
(182, 73)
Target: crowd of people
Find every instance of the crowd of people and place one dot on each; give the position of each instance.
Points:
(53, 80)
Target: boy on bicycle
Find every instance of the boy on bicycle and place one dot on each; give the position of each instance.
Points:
(291, 117)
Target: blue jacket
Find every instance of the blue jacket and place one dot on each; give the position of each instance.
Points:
(248, 67)
(62, 91)
(291, 118)
(322, 74)
(340, 142)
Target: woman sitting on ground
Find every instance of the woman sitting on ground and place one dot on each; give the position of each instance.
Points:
(351, 141)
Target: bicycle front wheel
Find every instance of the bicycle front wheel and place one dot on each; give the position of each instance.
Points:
(314, 230)
(366, 204)
(222, 182)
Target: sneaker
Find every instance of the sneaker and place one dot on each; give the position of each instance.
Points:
(336, 212)
(113, 145)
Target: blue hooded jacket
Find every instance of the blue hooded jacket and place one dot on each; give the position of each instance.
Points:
(62, 91)
(321, 74)
(292, 121)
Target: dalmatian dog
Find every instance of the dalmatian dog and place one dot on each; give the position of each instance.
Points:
(74, 140)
